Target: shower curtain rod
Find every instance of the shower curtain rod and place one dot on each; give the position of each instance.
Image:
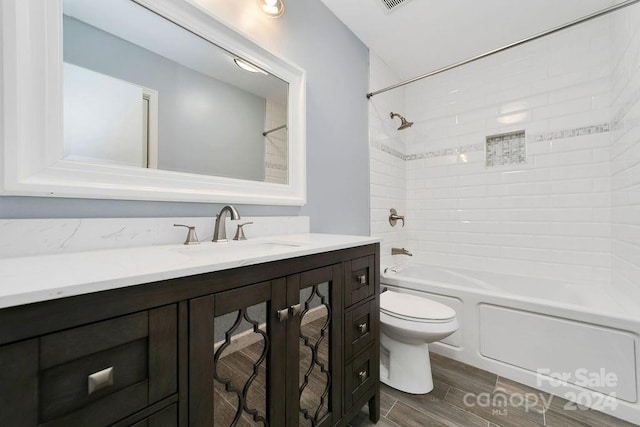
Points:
(509, 46)
(267, 132)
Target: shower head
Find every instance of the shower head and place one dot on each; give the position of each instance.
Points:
(405, 124)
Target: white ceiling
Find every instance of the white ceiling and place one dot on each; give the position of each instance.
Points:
(423, 35)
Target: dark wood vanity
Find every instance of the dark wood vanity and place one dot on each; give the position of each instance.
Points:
(146, 355)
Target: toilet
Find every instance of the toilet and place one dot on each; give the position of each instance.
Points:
(408, 323)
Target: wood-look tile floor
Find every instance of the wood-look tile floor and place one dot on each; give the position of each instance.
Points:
(445, 405)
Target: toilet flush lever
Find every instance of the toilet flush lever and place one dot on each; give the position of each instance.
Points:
(394, 217)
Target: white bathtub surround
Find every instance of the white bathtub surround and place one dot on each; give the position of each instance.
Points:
(27, 237)
(30, 279)
(533, 330)
(625, 147)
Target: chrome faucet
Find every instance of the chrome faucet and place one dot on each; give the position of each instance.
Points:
(220, 230)
(400, 251)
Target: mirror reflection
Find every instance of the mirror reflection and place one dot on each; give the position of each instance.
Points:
(144, 92)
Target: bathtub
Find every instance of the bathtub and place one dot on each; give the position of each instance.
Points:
(577, 341)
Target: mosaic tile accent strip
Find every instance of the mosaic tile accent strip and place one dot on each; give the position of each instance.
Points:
(446, 152)
(533, 138)
(393, 152)
(506, 149)
(570, 133)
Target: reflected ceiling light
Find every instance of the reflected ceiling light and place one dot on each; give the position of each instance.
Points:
(513, 113)
(248, 67)
(271, 8)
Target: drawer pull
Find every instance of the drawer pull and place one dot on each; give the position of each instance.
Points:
(362, 279)
(296, 309)
(363, 376)
(362, 327)
(283, 314)
(100, 379)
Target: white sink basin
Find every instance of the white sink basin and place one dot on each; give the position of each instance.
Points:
(247, 247)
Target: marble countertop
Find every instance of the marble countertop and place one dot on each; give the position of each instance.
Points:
(30, 279)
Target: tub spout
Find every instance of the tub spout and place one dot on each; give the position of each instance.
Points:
(400, 251)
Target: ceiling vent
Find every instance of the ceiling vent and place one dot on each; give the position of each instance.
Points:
(391, 5)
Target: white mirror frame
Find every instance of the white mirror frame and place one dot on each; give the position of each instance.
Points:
(31, 117)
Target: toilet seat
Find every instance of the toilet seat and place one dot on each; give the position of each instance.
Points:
(414, 308)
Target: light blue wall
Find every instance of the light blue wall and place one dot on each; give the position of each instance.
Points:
(337, 66)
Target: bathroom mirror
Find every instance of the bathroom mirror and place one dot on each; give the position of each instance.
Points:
(167, 104)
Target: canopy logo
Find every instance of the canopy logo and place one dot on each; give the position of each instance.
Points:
(501, 400)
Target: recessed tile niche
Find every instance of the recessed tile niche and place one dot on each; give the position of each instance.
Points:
(506, 149)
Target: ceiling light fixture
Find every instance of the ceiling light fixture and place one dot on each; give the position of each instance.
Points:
(271, 8)
(248, 67)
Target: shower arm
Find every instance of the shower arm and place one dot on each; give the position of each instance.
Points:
(509, 46)
(267, 132)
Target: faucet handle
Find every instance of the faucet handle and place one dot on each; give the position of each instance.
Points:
(394, 217)
(192, 239)
(240, 232)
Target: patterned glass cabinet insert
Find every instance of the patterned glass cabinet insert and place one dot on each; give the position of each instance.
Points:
(249, 376)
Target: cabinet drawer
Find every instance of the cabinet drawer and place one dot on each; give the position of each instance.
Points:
(360, 326)
(102, 372)
(168, 417)
(360, 375)
(359, 280)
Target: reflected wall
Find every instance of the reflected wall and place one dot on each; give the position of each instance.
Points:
(205, 126)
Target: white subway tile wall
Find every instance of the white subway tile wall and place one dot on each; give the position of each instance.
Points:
(625, 147)
(572, 210)
(387, 161)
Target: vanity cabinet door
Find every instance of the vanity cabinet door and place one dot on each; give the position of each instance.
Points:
(314, 334)
(19, 384)
(237, 357)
